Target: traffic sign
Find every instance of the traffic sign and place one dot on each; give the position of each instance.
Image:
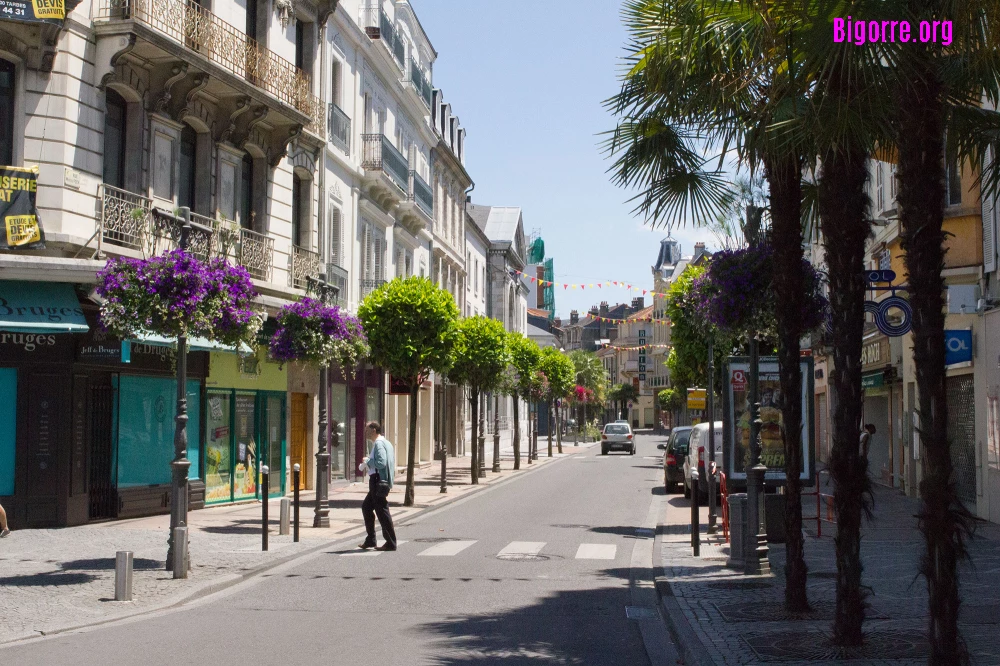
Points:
(697, 398)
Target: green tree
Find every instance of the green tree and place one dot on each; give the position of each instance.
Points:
(590, 374)
(525, 359)
(411, 326)
(671, 400)
(560, 373)
(479, 361)
(623, 394)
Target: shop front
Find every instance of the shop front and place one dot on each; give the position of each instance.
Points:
(883, 408)
(353, 401)
(244, 426)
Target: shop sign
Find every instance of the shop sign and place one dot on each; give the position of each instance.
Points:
(398, 386)
(22, 229)
(101, 347)
(33, 11)
(873, 380)
(696, 398)
(875, 353)
(957, 346)
(739, 380)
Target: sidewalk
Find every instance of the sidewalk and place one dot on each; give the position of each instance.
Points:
(721, 617)
(57, 579)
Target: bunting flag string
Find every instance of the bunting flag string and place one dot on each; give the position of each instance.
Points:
(639, 320)
(591, 285)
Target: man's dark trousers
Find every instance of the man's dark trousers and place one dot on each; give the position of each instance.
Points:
(377, 506)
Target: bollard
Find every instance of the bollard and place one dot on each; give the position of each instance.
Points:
(123, 575)
(283, 521)
(181, 552)
(695, 526)
(263, 523)
(296, 475)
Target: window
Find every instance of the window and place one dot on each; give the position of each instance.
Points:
(114, 140)
(300, 197)
(336, 236)
(251, 26)
(879, 187)
(246, 192)
(188, 155)
(953, 179)
(335, 81)
(884, 260)
(300, 44)
(7, 112)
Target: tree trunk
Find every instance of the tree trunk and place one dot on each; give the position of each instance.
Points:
(843, 206)
(559, 427)
(412, 449)
(517, 435)
(551, 421)
(785, 180)
(474, 399)
(944, 521)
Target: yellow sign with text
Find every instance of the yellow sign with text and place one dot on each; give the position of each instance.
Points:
(697, 398)
(22, 229)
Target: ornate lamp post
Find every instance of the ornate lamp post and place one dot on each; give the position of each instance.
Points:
(496, 433)
(482, 435)
(710, 464)
(321, 518)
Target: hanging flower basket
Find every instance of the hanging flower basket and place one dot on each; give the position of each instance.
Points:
(312, 332)
(176, 293)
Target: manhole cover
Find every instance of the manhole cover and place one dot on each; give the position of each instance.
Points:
(572, 526)
(740, 585)
(816, 646)
(525, 557)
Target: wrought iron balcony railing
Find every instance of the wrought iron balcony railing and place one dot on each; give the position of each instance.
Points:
(420, 83)
(378, 154)
(303, 264)
(255, 253)
(186, 22)
(368, 286)
(338, 276)
(421, 193)
(378, 25)
(339, 128)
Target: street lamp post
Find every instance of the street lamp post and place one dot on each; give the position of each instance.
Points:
(180, 464)
(756, 562)
(710, 464)
(482, 435)
(321, 518)
(496, 433)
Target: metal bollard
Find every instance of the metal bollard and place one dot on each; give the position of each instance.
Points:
(181, 552)
(123, 575)
(296, 475)
(695, 517)
(284, 516)
(263, 525)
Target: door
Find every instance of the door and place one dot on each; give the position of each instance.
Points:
(102, 473)
(298, 443)
(218, 454)
(46, 406)
(358, 425)
(246, 453)
(338, 439)
(272, 437)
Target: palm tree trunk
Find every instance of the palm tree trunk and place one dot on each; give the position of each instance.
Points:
(944, 521)
(843, 206)
(785, 181)
(474, 399)
(517, 435)
(551, 420)
(412, 449)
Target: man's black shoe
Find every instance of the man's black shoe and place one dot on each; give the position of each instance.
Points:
(366, 545)
(386, 547)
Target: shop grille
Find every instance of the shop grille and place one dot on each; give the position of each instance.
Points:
(962, 435)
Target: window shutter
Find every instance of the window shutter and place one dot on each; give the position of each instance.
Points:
(336, 237)
(366, 267)
(378, 245)
(989, 221)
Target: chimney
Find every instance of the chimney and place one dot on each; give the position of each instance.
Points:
(594, 311)
(574, 317)
(699, 249)
(557, 322)
(639, 302)
(603, 311)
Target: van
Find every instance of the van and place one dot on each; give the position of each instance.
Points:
(697, 456)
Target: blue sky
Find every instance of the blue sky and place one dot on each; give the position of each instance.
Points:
(527, 79)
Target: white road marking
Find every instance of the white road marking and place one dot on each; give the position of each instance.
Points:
(596, 551)
(446, 548)
(523, 548)
(361, 553)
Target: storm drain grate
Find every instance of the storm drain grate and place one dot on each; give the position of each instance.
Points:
(816, 646)
(640, 613)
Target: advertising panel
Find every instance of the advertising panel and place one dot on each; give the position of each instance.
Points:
(22, 229)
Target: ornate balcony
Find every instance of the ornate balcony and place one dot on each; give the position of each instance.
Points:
(378, 25)
(255, 252)
(188, 51)
(368, 286)
(387, 172)
(339, 128)
(419, 83)
(303, 264)
(417, 212)
(338, 277)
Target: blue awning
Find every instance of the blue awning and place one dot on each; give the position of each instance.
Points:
(40, 307)
(194, 344)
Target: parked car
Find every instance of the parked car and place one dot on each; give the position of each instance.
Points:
(676, 450)
(697, 456)
(617, 436)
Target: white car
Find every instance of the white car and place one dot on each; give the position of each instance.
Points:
(617, 436)
(697, 456)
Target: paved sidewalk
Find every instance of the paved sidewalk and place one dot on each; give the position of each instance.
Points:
(56, 579)
(723, 617)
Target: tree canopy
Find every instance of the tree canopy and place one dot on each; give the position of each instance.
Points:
(480, 357)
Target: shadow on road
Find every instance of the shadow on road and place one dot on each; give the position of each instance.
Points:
(52, 578)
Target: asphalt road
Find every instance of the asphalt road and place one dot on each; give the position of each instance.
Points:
(539, 569)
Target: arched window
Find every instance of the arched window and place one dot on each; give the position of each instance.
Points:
(114, 139)
(188, 168)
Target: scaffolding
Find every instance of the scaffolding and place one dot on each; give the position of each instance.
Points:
(549, 291)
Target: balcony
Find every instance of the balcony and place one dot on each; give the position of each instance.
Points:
(378, 25)
(168, 30)
(128, 221)
(338, 128)
(302, 265)
(368, 286)
(417, 212)
(338, 276)
(418, 81)
(387, 172)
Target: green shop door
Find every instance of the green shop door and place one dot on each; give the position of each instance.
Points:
(247, 451)
(272, 438)
(218, 447)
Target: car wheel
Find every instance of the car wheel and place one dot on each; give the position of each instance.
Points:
(671, 487)
(633, 450)
(604, 450)
(687, 491)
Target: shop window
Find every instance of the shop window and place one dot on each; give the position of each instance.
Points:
(7, 113)
(114, 139)
(188, 168)
(8, 428)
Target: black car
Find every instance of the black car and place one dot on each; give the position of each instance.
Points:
(673, 458)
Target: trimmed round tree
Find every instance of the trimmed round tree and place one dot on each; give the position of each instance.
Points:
(525, 355)
(561, 375)
(411, 326)
(479, 361)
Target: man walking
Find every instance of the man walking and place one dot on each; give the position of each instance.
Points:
(381, 467)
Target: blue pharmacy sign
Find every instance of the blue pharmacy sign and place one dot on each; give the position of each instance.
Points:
(957, 346)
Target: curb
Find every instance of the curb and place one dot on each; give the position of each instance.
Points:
(220, 585)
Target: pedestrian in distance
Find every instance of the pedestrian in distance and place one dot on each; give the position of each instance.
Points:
(380, 465)
(866, 440)
(4, 530)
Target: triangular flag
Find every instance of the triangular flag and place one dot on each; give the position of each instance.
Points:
(598, 285)
(565, 286)
(643, 292)
(583, 286)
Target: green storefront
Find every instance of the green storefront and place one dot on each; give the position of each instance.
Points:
(245, 425)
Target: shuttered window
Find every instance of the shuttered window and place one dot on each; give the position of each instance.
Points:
(336, 236)
(989, 222)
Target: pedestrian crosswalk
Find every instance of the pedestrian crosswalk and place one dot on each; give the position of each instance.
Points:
(515, 550)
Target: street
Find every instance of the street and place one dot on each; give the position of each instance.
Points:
(539, 568)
